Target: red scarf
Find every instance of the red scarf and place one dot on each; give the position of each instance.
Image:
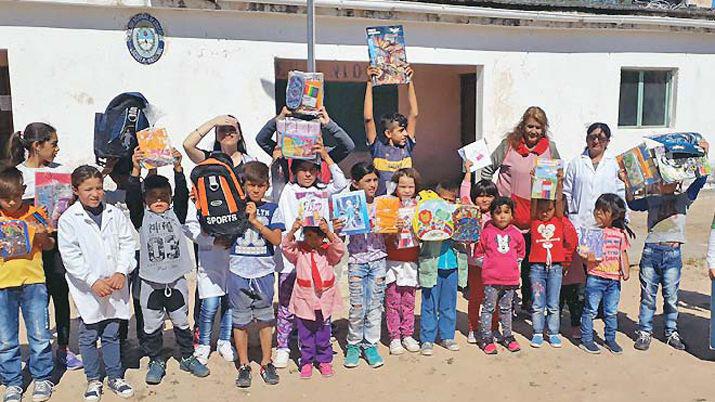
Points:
(314, 273)
(538, 149)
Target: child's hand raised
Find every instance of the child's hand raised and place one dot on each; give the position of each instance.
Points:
(285, 112)
(323, 116)
(102, 288)
(177, 159)
(338, 224)
(622, 175)
(468, 165)
(277, 153)
(323, 225)
(373, 71)
(137, 158)
(319, 149)
(297, 225)
(409, 72)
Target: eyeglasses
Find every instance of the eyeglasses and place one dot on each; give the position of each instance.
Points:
(600, 138)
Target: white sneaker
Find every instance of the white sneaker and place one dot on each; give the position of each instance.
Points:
(410, 344)
(471, 337)
(202, 353)
(226, 350)
(282, 358)
(396, 347)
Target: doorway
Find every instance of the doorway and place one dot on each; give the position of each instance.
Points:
(6, 127)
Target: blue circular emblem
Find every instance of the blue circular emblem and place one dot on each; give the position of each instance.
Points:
(145, 38)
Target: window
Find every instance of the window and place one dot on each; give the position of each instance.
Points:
(645, 98)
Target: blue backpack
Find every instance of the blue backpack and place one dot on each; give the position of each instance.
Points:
(115, 130)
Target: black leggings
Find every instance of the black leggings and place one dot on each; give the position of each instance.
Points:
(59, 293)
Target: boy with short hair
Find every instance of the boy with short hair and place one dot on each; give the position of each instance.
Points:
(22, 286)
(251, 279)
(163, 261)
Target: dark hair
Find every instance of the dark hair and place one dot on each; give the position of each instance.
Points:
(255, 172)
(602, 126)
(10, 181)
(499, 201)
(390, 118)
(617, 207)
(85, 172)
(361, 169)
(315, 230)
(156, 182)
(21, 141)
(298, 165)
(484, 187)
(241, 146)
(447, 185)
(411, 173)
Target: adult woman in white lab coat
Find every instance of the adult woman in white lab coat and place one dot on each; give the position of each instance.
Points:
(590, 174)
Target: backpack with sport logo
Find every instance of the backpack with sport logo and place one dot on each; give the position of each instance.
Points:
(115, 130)
(219, 197)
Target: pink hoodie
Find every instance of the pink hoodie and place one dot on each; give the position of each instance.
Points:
(501, 250)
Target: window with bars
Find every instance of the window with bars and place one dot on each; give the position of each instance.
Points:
(646, 98)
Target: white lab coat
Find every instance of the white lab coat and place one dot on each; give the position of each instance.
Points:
(213, 261)
(583, 185)
(90, 254)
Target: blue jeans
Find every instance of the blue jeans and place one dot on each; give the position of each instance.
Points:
(659, 266)
(108, 332)
(209, 308)
(32, 299)
(545, 291)
(367, 293)
(597, 289)
(439, 307)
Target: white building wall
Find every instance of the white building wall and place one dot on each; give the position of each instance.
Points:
(67, 62)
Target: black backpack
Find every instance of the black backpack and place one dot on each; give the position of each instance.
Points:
(115, 130)
(219, 197)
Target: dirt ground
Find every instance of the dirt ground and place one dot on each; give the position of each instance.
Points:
(661, 374)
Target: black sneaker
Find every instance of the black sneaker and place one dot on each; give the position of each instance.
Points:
(590, 347)
(244, 376)
(675, 341)
(643, 341)
(269, 374)
(614, 347)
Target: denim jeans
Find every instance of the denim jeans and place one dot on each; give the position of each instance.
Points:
(32, 299)
(108, 332)
(367, 292)
(659, 266)
(545, 290)
(209, 308)
(598, 289)
(439, 307)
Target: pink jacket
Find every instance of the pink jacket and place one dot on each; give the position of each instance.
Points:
(306, 299)
(501, 250)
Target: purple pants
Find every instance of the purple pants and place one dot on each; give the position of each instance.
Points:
(400, 310)
(314, 338)
(285, 321)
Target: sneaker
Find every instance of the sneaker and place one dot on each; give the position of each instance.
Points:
(511, 344)
(352, 356)
(410, 344)
(471, 337)
(489, 348)
(226, 350)
(244, 376)
(450, 344)
(12, 394)
(643, 341)
(427, 348)
(94, 391)
(121, 388)
(306, 371)
(282, 358)
(555, 341)
(269, 374)
(590, 347)
(42, 391)
(326, 369)
(537, 341)
(69, 360)
(614, 347)
(576, 332)
(373, 357)
(202, 353)
(194, 366)
(675, 341)
(396, 347)
(156, 372)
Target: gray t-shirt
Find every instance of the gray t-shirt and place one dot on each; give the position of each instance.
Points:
(666, 217)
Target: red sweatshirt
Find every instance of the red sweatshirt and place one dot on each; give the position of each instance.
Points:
(501, 250)
(552, 241)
